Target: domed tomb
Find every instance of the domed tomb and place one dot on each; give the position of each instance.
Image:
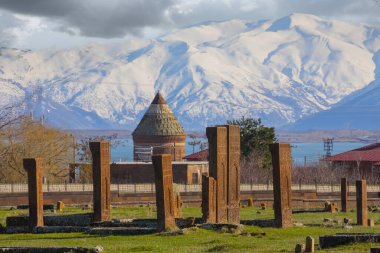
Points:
(158, 132)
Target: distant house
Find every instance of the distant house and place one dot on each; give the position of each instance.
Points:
(198, 156)
(365, 159)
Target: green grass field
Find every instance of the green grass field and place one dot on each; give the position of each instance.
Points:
(198, 240)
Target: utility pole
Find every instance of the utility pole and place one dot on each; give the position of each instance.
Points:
(328, 146)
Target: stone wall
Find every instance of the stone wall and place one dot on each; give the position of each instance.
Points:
(303, 199)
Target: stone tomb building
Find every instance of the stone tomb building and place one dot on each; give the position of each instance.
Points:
(158, 132)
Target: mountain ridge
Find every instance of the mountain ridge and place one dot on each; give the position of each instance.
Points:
(280, 70)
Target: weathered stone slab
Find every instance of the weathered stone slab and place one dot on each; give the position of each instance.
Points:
(233, 174)
(309, 244)
(33, 166)
(263, 223)
(101, 180)
(344, 193)
(343, 239)
(281, 160)
(60, 205)
(361, 202)
(121, 231)
(208, 199)
(53, 220)
(371, 222)
(310, 210)
(46, 207)
(164, 191)
(59, 229)
(217, 139)
(50, 250)
(178, 206)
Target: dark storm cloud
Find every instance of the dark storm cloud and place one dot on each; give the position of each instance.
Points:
(95, 18)
(117, 18)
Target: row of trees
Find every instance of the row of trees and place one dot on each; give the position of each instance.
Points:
(256, 160)
(21, 137)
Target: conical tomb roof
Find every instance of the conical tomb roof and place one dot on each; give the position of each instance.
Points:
(158, 120)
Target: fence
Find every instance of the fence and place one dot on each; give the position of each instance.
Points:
(150, 188)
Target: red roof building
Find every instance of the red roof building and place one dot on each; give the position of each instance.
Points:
(365, 159)
(198, 156)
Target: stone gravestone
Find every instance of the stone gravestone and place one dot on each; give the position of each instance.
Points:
(164, 191)
(309, 244)
(281, 160)
(233, 174)
(217, 139)
(33, 167)
(344, 193)
(208, 199)
(101, 180)
(178, 205)
(361, 202)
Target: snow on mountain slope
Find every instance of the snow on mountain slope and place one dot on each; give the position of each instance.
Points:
(359, 110)
(281, 71)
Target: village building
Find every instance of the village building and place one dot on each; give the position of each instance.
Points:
(197, 156)
(365, 160)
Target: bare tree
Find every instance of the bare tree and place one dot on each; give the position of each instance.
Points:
(194, 141)
(31, 139)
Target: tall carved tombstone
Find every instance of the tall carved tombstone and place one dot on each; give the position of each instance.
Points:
(164, 191)
(33, 167)
(282, 166)
(217, 139)
(101, 180)
(233, 173)
(208, 199)
(344, 193)
(361, 202)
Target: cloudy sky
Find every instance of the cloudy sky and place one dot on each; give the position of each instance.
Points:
(40, 24)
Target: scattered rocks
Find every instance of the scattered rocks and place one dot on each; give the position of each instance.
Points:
(87, 207)
(300, 248)
(298, 224)
(223, 228)
(253, 234)
(336, 221)
(185, 222)
(173, 232)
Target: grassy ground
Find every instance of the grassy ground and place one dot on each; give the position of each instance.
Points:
(199, 240)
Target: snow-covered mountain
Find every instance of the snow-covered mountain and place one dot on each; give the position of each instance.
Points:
(280, 70)
(359, 110)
